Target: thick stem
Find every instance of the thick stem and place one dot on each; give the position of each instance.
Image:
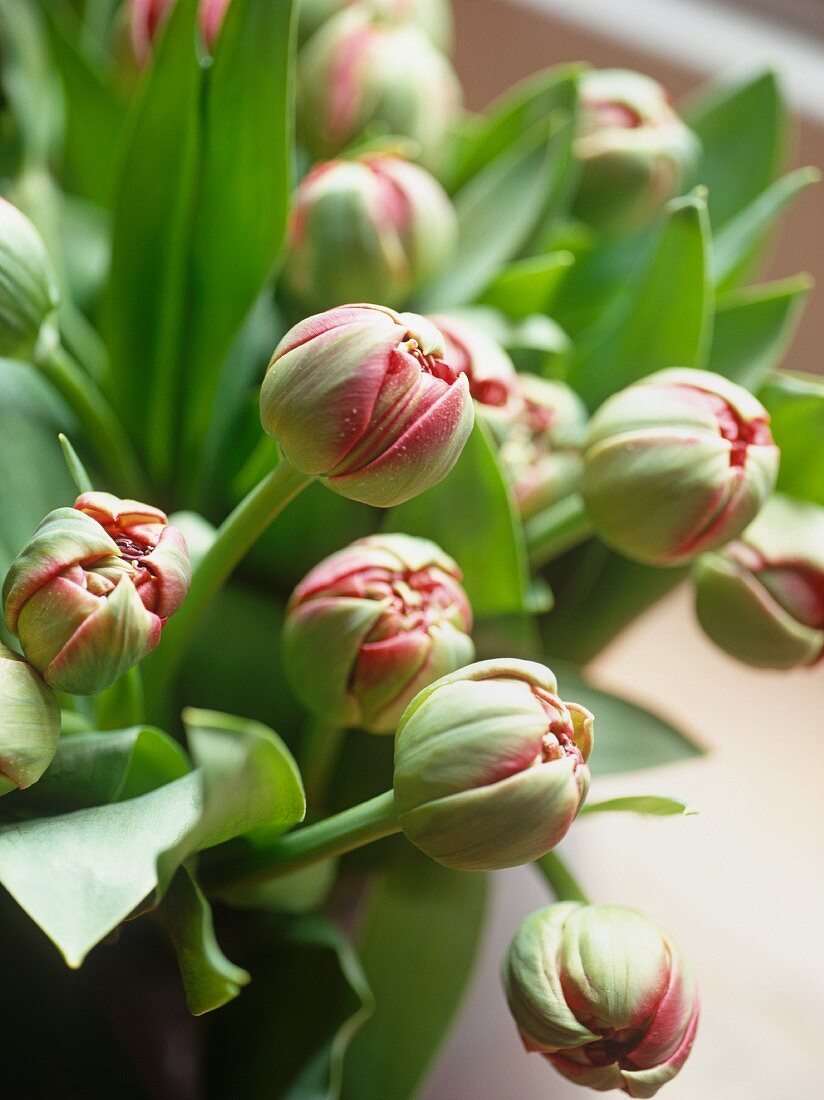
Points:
(335, 836)
(556, 530)
(98, 420)
(320, 751)
(121, 705)
(235, 537)
(561, 880)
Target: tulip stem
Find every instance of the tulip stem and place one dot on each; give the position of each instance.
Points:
(335, 836)
(235, 537)
(98, 420)
(321, 749)
(559, 528)
(120, 705)
(561, 880)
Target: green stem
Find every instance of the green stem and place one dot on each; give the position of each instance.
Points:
(321, 749)
(98, 420)
(335, 836)
(556, 530)
(235, 537)
(561, 880)
(121, 705)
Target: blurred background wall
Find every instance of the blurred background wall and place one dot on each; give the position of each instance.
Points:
(740, 885)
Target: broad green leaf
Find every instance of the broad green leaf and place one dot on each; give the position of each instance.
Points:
(470, 514)
(524, 182)
(528, 286)
(209, 979)
(419, 938)
(647, 804)
(287, 1035)
(93, 769)
(796, 404)
(664, 317)
(628, 737)
(78, 875)
(244, 190)
(742, 129)
(153, 207)
(514, 115)
(753, 327)
(742, 237)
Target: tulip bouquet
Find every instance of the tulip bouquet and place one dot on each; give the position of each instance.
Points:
(333, 409)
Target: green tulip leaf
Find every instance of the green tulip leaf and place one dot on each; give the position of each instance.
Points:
(420, 934)
(209, 979)
(528, 286)
(471, 516)
(78, 875)
(646, 804)
(796, 405)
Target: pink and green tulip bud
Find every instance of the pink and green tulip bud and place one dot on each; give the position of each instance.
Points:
(29, 723)
(604, 994)
(361, 397)
(372, 625)
(432, 16)
(490, 766)
(375, 227)
(635, 152)
(493, 380)
(761, 598)
(89, 594)
(541, 446)
(148, 16)
(363, 75)
(28, 284)
(679, 463)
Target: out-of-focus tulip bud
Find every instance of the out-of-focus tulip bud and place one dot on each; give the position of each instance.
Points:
(433, 16)
(148, 17)
(604, 993)
(90, 592)
(761, 598)
(676, 464)
(372, 625)
(363, 74)
(376, 227)
(493, 380)
(541, 446)
(634, 150)
(28, 284)
(360, 397)
(29, 723)
(490, 766)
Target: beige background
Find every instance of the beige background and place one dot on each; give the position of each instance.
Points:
(740, 885)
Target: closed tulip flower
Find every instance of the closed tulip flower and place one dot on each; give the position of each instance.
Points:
(490, 766)
(679, 463)
(761, 598)
(374, 624)
(29, 723)
(372, 228)
(90, 592)
(493, 380)
(361, 397)
(604, 994)
(432, 16)
(634, 150)
(28, 284)
(364, 74)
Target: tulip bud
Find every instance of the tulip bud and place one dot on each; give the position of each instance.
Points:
(604, 994)
(541, 446)
(635, 152)
(360, 396)
(377, 227)
(493, 380)
(89, 594)
(372, 625)
(363, 73)
(490, 766)
(148, 17)
(676, 464)
(29, 723)
(761, 598)
(432, 16)
(28, 284)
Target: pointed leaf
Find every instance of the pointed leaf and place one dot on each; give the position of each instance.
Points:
(647, 804)
(796, 404)
(528, 286)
